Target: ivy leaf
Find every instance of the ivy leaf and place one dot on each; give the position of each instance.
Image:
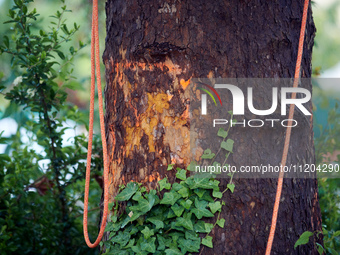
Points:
(143, 205)
(171, 214)
(207, 154)
(173, 251)
(176, 186)
(186, 204)
(127, 193)
(191, 235)
(178, 210)
(161, 243)
(159, 224)
(163, 184)
(170, 167)
(217, 194)
(170, 198)
(149, 245)
(185, 222)
(121, 238)
(220, 222)
(222, 133)
(228, 145)
(207, 241)
(184, 192)
(231, 186)
(200, 192)
(214, 207)
(181, 174)
(137, 196)
(147, 232)
(304, 239)
(203, 183)
(188, 245)
(207, 197)
(200, 210)
(202, 227)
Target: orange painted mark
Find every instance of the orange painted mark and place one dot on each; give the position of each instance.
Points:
(186, 112)
(159, 102)
(184, 83)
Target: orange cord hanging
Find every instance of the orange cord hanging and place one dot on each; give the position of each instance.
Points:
(95, 72)
(289, 129)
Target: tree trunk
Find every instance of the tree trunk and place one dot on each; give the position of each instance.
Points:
(153, 50)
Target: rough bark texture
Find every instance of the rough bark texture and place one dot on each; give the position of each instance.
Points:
(153, 49)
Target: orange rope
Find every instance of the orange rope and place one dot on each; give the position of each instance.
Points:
(95, 66)
(289, 129)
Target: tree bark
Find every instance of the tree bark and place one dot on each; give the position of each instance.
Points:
(153, 50)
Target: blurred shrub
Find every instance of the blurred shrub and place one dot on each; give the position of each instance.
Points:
(41, 193)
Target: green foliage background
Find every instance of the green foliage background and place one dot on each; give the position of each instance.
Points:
(44, 75)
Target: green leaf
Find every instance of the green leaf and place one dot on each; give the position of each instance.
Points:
(231, 186)
(222, 133)
(181, 174)
(185, 222)
(143, 205)
(170, 198)
(207, 241)
(149, 245)
(337, 233)
(130, 244)
(127, 193)
(6, 40)
(161, 243)
(207, 154)
(184, 192)
(332, 251)
(200, 210)
(188, 245)
(304, 239)
(228, 145)
(137, 196)
(186, 204)
(111, 205)
(217, 194)
(43, 54)
(202, 227)
(154, 220)
(60, 54)
(173, 251)
(170, 167)
(200, 192)
(163, 184)
(220, 222)
(178, 210)
(320, 249)
(176, 186)
(147, 232)
(203, 183)
(214, 207)
(121, 238)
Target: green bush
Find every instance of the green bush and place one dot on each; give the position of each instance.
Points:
(41, 193)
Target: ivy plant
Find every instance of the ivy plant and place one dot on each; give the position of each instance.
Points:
(173, 218)
(167, 222)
